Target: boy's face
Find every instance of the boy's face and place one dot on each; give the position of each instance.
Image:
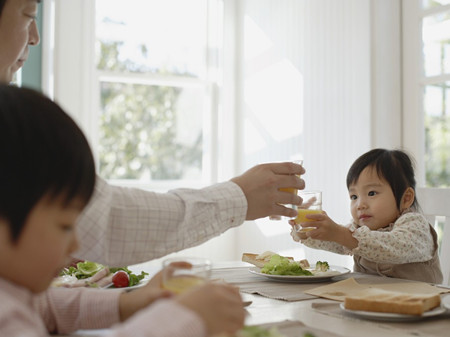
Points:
(44, 246)
(17, 30)
(372, 201)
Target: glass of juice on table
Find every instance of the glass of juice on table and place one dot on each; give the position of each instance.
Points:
(288, 190)
(312, 204)
(183, 273)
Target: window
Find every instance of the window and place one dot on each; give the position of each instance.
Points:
(427, 81)
(156, 73)
(427, 90)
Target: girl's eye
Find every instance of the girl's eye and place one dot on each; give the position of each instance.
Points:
(353, 197)
(372, 193)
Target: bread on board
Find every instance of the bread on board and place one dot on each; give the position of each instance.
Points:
(379, 300)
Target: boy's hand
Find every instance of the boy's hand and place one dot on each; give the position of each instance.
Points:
(133, 301)
(219, 305)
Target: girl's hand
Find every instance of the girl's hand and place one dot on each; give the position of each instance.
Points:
(218, 304)
(325, 228)
(296, 236)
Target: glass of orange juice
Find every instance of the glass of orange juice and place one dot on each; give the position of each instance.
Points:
(312, 204)
(288, 190)
(183, 273)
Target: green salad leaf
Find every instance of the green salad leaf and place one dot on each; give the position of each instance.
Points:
(280, 265)
(256, 331)
(86, 269)
(83, 269)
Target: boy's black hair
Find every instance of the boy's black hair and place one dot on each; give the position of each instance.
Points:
(42, 153)
(394, 166)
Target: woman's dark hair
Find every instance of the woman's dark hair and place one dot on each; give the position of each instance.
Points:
(42, 153)
(394, 166)
(2, 4)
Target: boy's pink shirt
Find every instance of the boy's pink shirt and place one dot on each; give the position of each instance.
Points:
(65, 310)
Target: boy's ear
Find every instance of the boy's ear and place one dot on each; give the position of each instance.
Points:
(407, 199)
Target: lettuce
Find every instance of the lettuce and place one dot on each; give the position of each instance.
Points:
(279, 265)
(256, 331)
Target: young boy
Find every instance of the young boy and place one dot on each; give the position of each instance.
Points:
(47, 177)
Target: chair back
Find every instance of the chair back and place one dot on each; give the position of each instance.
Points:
(435, 204)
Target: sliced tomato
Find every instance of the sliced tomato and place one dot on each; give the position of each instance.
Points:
(121, 279)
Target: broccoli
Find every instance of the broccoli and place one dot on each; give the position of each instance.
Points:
(322, 266)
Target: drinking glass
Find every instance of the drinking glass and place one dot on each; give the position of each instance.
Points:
(289, 190)
(184, 273)
(312, 204)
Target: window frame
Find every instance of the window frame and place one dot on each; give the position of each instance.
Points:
(414, 81)
(68, 57)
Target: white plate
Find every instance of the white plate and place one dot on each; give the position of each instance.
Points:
(391, 317)
(446, 301)
(334, 271)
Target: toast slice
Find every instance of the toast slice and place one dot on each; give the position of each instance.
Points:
(379, 300)
(259, 260)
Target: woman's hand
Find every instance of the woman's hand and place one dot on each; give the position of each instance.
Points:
(261, 185)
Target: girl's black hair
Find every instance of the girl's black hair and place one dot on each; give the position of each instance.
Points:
(42, 153)
(394, 166)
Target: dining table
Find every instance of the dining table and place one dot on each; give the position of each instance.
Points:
(299, 308)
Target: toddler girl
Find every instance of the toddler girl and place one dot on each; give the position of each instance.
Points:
(388, 235)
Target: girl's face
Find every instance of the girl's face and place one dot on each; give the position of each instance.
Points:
(44, 245)
(17, 30)
(372, 201)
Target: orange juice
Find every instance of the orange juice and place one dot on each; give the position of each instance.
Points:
(301, 217)
(288, 189)
(180, 284)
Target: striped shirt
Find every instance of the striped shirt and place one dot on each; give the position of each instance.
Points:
(123, 226)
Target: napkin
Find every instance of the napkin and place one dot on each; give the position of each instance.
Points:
(296, 329)
(349, 287)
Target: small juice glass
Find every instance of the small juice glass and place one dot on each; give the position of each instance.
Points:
(312, 204)
(184, 273)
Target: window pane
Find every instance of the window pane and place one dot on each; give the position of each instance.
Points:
(434, 3)
(165, 37)
(436, 44)
(437, 134)
(150, 132)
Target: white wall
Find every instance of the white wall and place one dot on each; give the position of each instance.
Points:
(322, 48)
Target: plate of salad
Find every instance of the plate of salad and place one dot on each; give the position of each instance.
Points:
(95, 275)
(280, 268)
